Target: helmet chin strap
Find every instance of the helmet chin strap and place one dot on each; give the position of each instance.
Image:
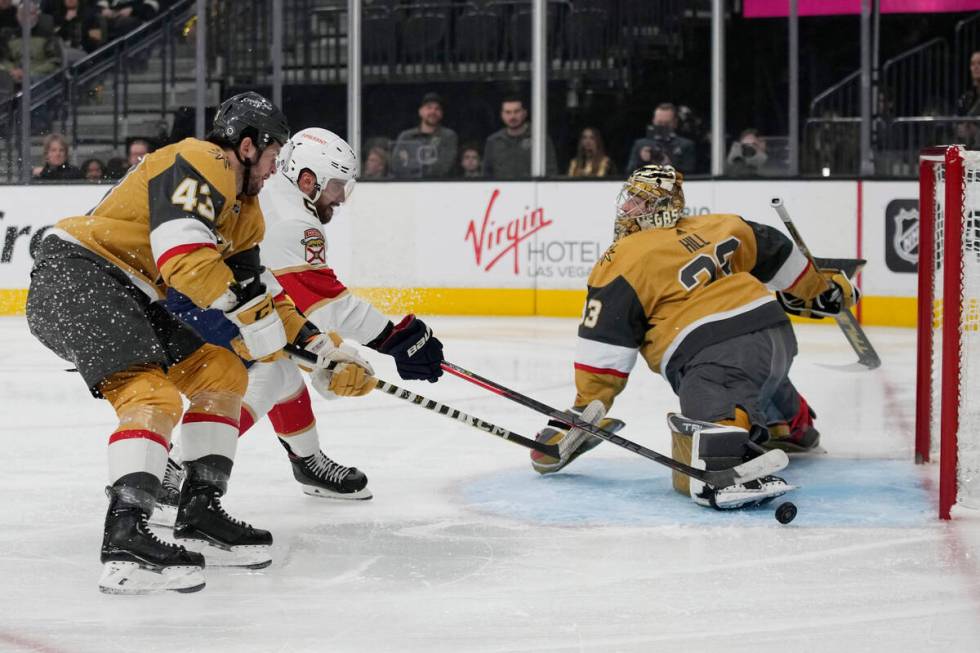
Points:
(246, 169)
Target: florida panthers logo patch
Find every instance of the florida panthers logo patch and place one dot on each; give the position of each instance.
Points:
(316, 247)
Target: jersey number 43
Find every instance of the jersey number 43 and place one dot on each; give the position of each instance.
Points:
(192, 196)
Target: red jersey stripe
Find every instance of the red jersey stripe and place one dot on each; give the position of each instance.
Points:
(129, 434)
(789, 288)
(308, 287)
(601, 370)
(192, 418)
(181, 249)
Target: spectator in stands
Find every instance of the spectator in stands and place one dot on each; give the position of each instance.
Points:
(469, 162)
(93, 170)
(662, 145)
(78, 24)
(428, 150)
(8, 19)
(747, 156)
(138, 148)
(56, 166)
(969, 102)
(969, 105)
(590, 157)
(375, 163)
(44, 48)
(123, 16)
(507, 153)
(116, 168)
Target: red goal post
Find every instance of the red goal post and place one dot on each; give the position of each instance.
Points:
(948, 359)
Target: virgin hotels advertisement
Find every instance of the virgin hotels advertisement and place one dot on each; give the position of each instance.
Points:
(528, 235)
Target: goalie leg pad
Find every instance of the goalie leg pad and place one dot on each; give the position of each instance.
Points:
(682, 445)
(719, 446)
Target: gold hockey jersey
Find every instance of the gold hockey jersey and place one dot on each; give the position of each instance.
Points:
(668, 293)
(172, 220)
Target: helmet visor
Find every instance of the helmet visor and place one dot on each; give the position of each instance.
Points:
(338, 190)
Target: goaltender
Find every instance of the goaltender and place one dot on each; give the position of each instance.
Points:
(692, 295)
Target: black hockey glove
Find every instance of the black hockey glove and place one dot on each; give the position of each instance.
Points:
(417, 353)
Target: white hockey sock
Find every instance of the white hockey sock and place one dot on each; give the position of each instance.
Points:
(303, 444)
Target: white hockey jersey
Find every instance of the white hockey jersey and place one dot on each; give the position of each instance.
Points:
(295, 250)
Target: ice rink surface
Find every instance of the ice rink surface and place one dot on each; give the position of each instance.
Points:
(465, 548)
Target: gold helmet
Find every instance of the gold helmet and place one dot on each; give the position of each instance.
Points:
(652, 198)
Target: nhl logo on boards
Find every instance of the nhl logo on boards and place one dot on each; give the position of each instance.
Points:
(902, 235)
(316, 247)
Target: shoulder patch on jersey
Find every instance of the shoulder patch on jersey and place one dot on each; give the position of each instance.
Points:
(607, 256)
(315, 246)
(614, 315)
(219, 155)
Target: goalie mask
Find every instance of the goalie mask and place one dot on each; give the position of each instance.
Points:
(652, 198)
(326, 156)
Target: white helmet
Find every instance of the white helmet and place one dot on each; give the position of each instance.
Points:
(324, 154)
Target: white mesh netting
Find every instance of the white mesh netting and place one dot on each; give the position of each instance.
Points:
(968, 437)
(968, 393)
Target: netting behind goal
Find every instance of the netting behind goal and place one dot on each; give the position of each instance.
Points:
(948, 375)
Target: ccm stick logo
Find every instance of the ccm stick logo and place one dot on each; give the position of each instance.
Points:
(495, 240)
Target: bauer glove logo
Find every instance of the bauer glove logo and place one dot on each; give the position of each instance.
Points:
(421, 343)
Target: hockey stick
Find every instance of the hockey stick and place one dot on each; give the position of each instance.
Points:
(867, 356)
(452, 413)
(768, 463)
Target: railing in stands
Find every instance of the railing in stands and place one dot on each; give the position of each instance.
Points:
(916, 82)
(966, 41)
(443, 40)
(843, 99)
(55, 100)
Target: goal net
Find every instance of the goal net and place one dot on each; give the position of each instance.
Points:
(948, 366)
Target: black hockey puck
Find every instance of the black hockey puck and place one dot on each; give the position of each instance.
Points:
(785, 512)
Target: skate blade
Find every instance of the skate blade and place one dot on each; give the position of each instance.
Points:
(322, 493)
(249, 556)
(734, 500)
(131, 578)
(163, 515)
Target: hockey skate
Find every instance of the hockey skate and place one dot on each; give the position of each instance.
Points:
(571, 442)
(165, 509)
(800, 441)
(322, 477)
(203, 525)
(136, 561)
(798, 435)
(752, 493)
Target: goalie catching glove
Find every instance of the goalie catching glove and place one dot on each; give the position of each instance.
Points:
(841, 295)
(352, 376)
(253, 311)
(417, 353)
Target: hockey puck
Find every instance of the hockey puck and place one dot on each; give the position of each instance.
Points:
(785, 512)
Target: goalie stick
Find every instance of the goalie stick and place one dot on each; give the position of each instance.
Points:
(452, 413)
(867, 356)
(765, 464)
